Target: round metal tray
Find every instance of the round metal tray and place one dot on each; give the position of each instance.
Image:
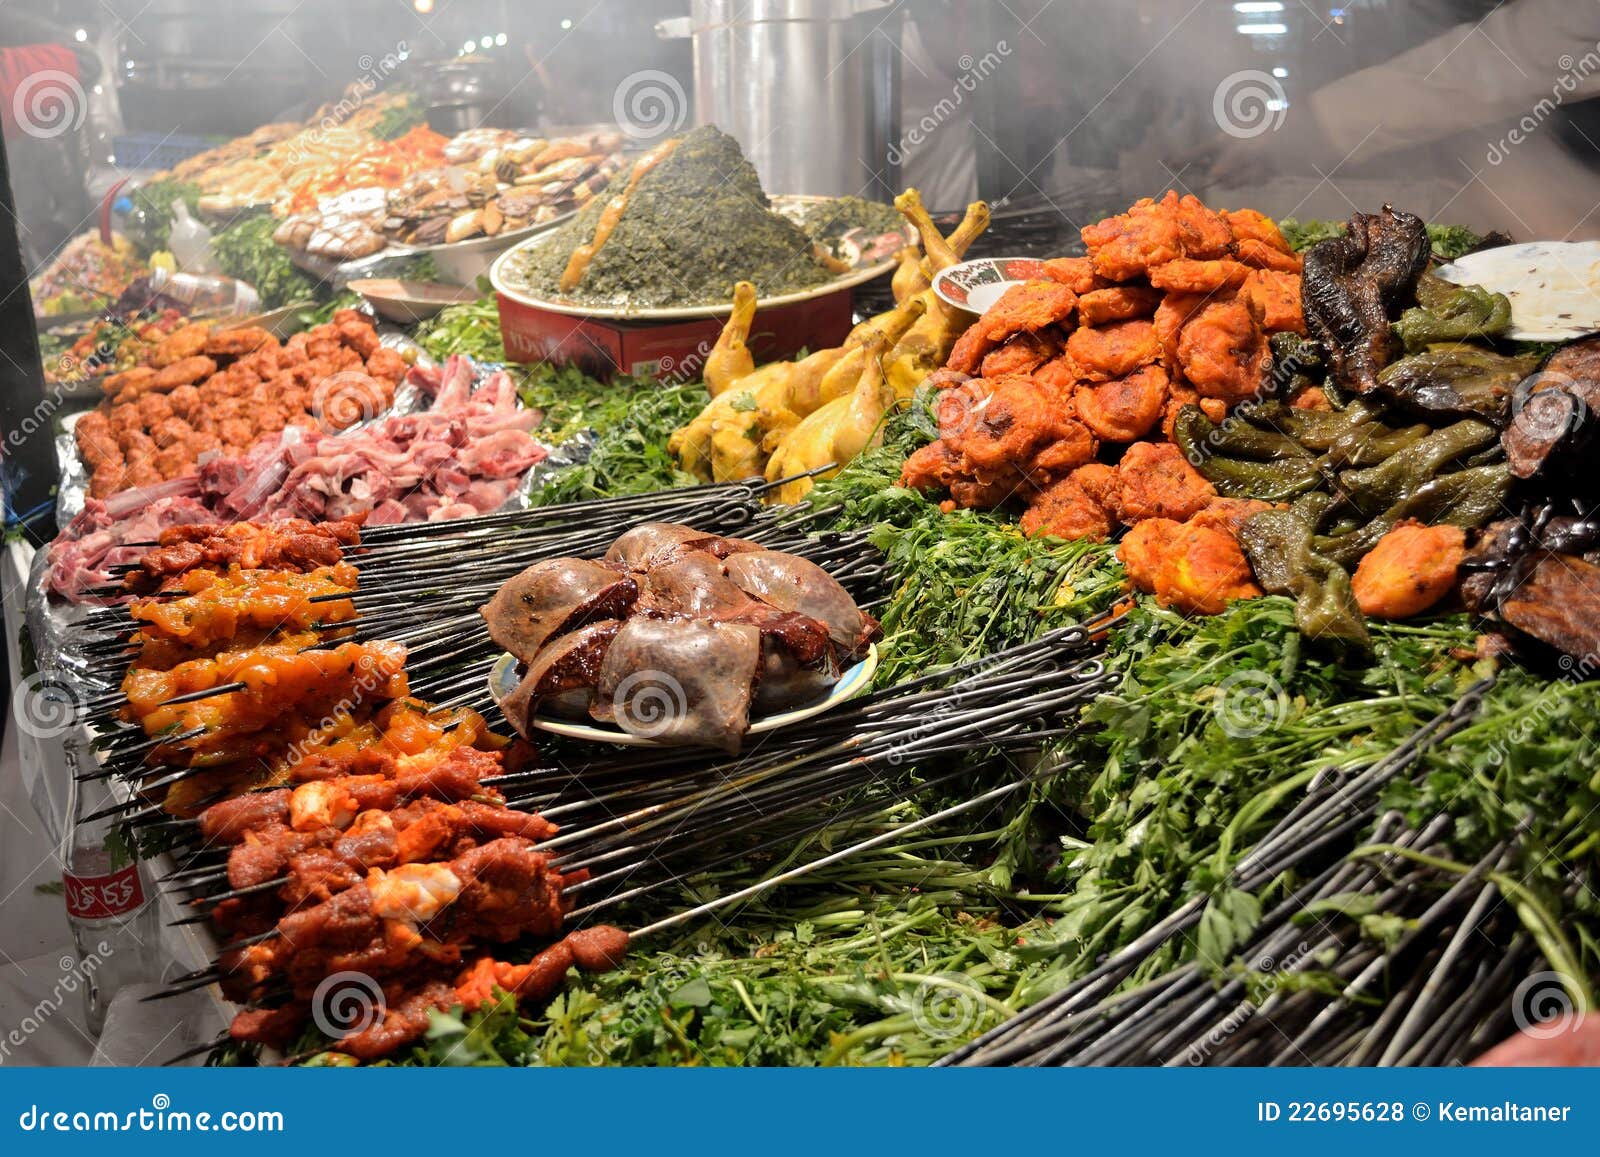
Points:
(856, 276)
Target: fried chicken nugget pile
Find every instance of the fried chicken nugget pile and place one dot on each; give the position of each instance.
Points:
(202, 389)
(1172, 306)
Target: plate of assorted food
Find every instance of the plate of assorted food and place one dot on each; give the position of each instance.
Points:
(676, 637)
(495, 188)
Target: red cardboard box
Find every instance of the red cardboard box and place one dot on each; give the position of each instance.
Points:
(667, 349)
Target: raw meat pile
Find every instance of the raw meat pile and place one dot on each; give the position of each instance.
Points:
(82, 556)
(463, 456)
(206, 391)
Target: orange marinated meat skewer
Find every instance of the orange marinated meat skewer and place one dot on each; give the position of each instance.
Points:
(219, 605)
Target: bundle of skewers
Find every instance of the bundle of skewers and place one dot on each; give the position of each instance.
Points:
(302, 718)
(1314, 983)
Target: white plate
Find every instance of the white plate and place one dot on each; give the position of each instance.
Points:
(497, 277)
(503, 680)
(976, 285)
(1554, 286)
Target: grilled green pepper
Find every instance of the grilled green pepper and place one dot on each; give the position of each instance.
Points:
(1281, 549)
(1465, 498)
(1452, 313)
(1404, 472)
(1456, 378)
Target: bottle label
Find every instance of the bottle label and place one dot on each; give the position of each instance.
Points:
(101, 897)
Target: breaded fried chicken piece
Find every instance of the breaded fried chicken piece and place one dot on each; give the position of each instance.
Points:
(1113, 351)
(1223, 351)
(1187, 275)
(1124, 409)
(1156, 481)
(1119, 303)
(1190, 568)
(1275, 296)
(1128, 245)
(1065, 510)
(1411, 568)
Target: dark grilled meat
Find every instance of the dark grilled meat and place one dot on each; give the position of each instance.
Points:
(1353, 283)
(1553, 415)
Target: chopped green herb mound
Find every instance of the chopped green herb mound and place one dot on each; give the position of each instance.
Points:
(247, 251)
(1449, 241)
(695, 224)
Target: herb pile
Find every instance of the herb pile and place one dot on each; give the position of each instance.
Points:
(695, 224)
(246, 251)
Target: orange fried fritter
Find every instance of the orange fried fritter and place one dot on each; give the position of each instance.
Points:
(1171, 316)
(232, 343)
(1026, 306)
(1113, 351)
(992, 423)
(133, 382)
(1124, 409)
(1276, 297)
(181, 343)
(1065, 510)
(932, 467)
(1059, 373)
(183, 373)
(1187, 275)
(1031, 305)
(1074, 446)
(1206, 235)
(1119, 303)
(1021, 354)
(1249, 225)
(1190, 568)
(1103, 484)
(1260, 255)
(1411, 568)
(1128, 245)
(1223, 351)
(1076, 273)
(1230, 514)
(1156, 481)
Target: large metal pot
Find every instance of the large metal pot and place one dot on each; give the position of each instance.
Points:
(809, 88)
